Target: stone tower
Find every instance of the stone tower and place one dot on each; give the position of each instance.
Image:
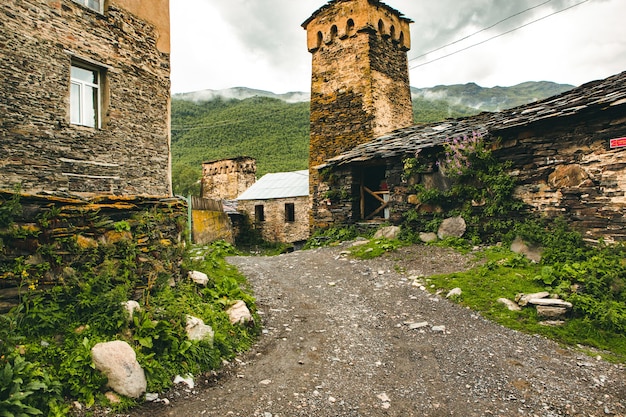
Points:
(360, 78)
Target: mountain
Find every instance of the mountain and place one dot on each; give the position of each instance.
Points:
(490, 99)
(242, 93)
(274, 128)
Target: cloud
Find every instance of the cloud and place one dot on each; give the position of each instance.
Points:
(260, 43)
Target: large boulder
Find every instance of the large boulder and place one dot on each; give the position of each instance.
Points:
(452, 227)
(197, 330)
(532, 252)
(239, 313)
(389, 232)
(117, 360)
(199, 278)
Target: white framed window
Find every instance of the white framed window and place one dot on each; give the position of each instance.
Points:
(85, 95)
(92, 4)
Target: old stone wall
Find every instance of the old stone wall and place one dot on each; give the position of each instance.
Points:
(51, 241)
(275, 227)
(567, 168)
(39, 147)
(226, 179)
(564, 168)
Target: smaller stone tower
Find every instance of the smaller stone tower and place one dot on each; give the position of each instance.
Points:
(225, 179)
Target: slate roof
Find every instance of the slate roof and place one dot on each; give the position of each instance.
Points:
(594, 96)
(278, 185)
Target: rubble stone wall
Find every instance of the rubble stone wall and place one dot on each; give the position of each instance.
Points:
(51, 241)
(275, 227)
(226, 179)
(39, 147)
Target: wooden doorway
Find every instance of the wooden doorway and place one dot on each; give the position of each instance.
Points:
(374, 193)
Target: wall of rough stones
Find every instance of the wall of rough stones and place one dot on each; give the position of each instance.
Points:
(564, 168)
(50, 241)
(39, 148)
(275, 228)
(226, 179)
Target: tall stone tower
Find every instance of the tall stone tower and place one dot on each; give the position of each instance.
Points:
(360, 79)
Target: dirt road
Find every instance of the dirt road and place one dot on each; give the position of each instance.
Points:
(360, 338)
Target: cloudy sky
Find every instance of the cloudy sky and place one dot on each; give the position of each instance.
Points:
(260, 44)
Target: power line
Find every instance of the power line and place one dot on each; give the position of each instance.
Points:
(497, 36)
(480, 31)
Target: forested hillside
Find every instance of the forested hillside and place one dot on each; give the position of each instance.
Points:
(274, 132)
(208, 125)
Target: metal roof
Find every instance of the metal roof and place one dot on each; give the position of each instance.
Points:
(278, 185)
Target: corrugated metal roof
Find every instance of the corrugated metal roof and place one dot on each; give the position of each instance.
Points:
(278, 185)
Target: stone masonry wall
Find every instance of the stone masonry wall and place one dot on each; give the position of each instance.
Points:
(226, 179)
(274, 228)
(564, 168)
(39, 148)
(51, 241)
(567, 168)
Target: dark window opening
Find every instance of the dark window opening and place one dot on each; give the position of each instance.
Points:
(259, 213)
(373, 193)
(290, 212)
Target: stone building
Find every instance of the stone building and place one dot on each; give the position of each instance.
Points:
(567, 151)
(225, 179)
(85, 97)
(360, 81)
(278, 206)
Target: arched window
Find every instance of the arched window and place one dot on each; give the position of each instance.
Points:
(401, 39)
(392, 32)
(350, 27)
(333, 33)
(381, 27)
(320, 39)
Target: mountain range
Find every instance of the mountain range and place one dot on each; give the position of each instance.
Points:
(274, 128)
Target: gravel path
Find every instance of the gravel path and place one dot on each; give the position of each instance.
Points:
(346, 337)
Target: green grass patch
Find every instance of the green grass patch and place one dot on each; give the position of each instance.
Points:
(503, 274)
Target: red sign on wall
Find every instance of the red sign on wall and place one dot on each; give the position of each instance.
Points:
(618, 143)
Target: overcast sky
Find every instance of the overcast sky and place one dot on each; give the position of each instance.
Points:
(260, 44)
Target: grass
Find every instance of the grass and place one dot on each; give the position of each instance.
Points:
(503, 274)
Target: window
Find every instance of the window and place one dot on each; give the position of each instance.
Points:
(259, 213)
(92, 4)
(290, 212)
(85, 95)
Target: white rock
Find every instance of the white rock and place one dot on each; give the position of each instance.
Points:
(428, 237)
(152, 396)
(454, 292)
(439, 329)
(420, 325)
(511, 305)
(197, 330)
(239, 313)
(265, 382)
(383, 397)
(117, 360)
(131, 306)
(199, 278)
(551, 302)
(187, 380)
(390, 232)
(522, 299)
